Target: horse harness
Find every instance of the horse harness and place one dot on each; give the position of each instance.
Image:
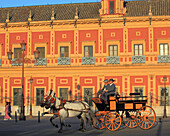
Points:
(85, 110)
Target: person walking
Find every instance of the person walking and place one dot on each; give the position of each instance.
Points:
(6, 117)
(9, 109)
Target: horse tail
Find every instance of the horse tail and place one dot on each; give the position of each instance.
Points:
(94, 119)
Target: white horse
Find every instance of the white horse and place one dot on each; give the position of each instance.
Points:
(70, 109)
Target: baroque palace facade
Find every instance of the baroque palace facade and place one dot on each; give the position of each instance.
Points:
(82, 44)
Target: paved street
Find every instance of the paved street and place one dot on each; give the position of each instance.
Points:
(44, 128)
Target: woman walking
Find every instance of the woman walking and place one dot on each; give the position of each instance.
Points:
(6, 117)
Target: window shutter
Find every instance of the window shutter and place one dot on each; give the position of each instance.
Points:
(90, 51)
(111, 7)
(86, 51)
(66, 52)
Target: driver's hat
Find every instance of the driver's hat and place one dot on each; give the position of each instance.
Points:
(106, 80)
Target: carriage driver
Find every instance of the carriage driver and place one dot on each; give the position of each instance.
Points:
(110, 90)
(100, 92)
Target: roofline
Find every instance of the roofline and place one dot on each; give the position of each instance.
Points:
(49, 5)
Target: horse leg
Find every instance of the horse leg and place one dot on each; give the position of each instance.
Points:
(81, 124)
(84, 122)
(51, 120)
(66, 125)
(61, 124)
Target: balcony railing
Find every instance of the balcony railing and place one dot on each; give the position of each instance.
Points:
(113, 60)
(17, 62)
(40, 61)
(0, 62)
(88, 60)
(138, 59)
(163, 58)
(64, 61)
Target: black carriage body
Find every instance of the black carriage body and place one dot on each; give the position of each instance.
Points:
(120, 104)
(126, 105)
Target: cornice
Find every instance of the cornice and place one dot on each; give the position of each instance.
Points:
(84, 21)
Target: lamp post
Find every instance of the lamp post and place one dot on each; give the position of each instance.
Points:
(31, 80)
(36, 54)
(165, 79)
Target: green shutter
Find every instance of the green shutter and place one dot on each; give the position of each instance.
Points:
(111, 7)
(90, 51)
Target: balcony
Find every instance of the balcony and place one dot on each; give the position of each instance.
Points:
(163, 58)
(17, 62)
(40, 62)
(0, 62)
(138, 59)
(113, 60)
(88, 60)
(64, 61)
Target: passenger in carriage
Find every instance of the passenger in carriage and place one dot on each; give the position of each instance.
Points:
(100, 92)
(110, 90)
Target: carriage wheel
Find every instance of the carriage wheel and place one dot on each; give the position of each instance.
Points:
(112, 121)
(100, 124)
(145, 117)
(129, 119)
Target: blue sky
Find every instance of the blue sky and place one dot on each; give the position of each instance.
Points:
(17, 3)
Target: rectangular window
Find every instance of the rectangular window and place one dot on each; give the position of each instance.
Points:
(17, 53)
(113, 50)
(88, 51)
(139, 90)
(163, 97)
(138, 49)
(111, 7)
(17, 96)
(64, 51)
(164, 49)
(88, 94)
(64, 93)
(39, 95)
(42, 52)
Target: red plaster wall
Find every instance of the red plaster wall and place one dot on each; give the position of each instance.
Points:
(82, 37)
(46, 39)
(82, 83)
(107, 36)
(157, 35)
(58, 84)
(16, 85)
(132, 36)
(39, 85)
(144, 83)
(12, 39)
(1, 91)
(160, 83)
(69, 38)
(2, 41)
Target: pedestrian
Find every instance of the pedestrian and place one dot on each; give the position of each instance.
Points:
(9, 109)
(6, 117)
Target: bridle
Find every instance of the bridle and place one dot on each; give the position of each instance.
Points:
(48, 100)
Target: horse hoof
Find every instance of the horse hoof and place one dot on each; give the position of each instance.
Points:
(80, 129)
(60, 131)
(69, 125)
(83, 130)
(56, 126)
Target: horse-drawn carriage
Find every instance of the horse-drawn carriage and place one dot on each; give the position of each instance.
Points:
(133, 109)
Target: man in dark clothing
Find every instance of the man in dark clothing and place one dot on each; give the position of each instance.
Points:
(100, 92)
(9, 109)
(110, 90)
